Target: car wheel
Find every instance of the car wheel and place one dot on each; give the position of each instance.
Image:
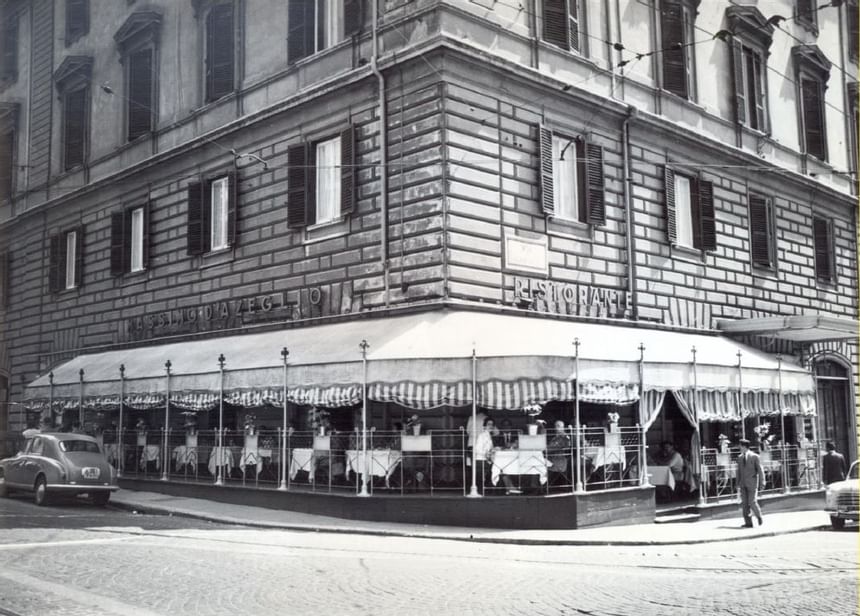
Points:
(40, 495)
(100, 499)
(4, 491)
(837, 522)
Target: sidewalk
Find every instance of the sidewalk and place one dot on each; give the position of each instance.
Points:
(703, 531)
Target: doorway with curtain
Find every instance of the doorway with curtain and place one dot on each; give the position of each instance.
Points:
(833, 406)
(670, 422)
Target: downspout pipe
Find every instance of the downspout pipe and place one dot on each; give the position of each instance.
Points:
(628, 211)
(383, 152)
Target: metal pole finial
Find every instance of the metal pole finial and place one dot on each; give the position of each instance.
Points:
(284, 354)
(167, 366)
(641, 348)
(363, 345)
(51, 377)
(221, 361)
(122, 370)
(81, 374)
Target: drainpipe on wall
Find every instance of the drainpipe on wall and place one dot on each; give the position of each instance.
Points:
(383, 155)
(628, 212)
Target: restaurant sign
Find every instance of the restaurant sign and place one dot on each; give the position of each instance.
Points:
(571, 298)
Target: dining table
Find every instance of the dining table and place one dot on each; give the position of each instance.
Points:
(302, 459)
(383, 462)
(661, 476)
(221, 456)
(150, 453)
(519, 462)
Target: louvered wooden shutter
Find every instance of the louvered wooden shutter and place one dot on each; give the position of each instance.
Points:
(194, 233)
(9, 59)
(555, 23)
(300, 33)
(144, 248)
(547, 191)
(56, 262)
(297, 185)
(573, 30)
(232, 206)
(117, 243)
(7, 141)
(813, 118)
(821, 232)
(595, 185)
(220, 51)
(75, 127)
(77, 18)
(674, 63)
(740, 84)
(669, 189)
(759, 235)
(4, 279)
(79, 256)
(707, 216)
(347, 171)
(853, 31)
(206, 218)
(353, 16)
(758, 92)
(140, 94)
(696, 213)
(311, 184)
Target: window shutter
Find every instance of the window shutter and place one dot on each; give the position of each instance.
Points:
(56, 262)
(759, 236)
(4, 279)
(708, 217)
(669, 189)
(547, 192)
(853, 31)
(144, 248)
(300, 33)
(311, 185)
(353, 16)
(812, 118)
(7, 141)
(75, 125)
(140, 94)
(673, 59)
(194, 233)
(759, 92)
(595, 185)
(822, 237)
(573, 30)
(232, 206)
(740, 90)
(206, 219)
(77, 18)
(9, 59)
(220, 51)
(555, 23)
(696, 213)
(297, 185)
(347, 171)
(79, 256)
(117, 243)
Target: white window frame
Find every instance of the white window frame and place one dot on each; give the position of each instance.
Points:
(328, 180)
(756, 82)
(219, 214)
(565, 179)
(136, 256)
(684, 235)
(71, 248)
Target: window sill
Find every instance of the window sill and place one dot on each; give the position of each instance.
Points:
(211, 104)
(135, 277)
(214, 258)
(826, 285)
(764, 271)
(318, 54)
(330, 229)
(687, 253)
(569, 228)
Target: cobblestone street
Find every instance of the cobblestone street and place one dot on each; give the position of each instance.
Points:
(109, 562)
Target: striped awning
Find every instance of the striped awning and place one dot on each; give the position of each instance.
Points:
(717, 406)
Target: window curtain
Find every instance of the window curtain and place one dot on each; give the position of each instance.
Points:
(649, 407)
(684, 398)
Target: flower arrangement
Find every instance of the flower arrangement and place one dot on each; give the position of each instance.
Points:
(532, 410)
(762, 432)
(724, 443)
(414, 422)
(250, 424)
(318, 418)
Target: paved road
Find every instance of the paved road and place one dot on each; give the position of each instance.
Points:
(77, 560)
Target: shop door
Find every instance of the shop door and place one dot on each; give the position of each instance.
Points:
(833, 392)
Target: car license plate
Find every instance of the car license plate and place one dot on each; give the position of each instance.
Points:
(91, 473)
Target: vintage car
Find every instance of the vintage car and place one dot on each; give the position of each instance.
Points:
(842, 499)
(59, 463)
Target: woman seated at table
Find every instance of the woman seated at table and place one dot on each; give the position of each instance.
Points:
(558, 452)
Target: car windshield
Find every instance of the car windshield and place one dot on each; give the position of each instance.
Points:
(79, 446)
(853, 473)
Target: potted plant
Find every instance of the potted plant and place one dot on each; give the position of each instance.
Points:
(533, 410)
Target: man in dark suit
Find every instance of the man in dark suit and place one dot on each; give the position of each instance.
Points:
(750, 480)
(833, 465)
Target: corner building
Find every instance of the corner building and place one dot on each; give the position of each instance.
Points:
(638, 218)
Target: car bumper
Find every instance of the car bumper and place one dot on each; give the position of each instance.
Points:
(66, 487)
(845, 515)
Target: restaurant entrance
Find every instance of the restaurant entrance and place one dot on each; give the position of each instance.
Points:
(833, 396)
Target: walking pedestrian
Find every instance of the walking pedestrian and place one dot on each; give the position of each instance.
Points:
(833, 465)
(750, 480)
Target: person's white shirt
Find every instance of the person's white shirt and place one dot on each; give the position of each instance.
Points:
(484, 445)
(676, 465)
(470, 429)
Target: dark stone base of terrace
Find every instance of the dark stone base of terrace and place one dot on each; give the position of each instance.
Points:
(557, 511)
(770, 503)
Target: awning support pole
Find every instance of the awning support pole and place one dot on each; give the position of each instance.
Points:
(81, 399)
(643, 464)
(120, 458)
(580, 486)
(219, 456)
(698, 423)
(741, 397)
(165, 459)
(782, 425)
(815, 431)
(473, 491)
(365, 462)
(51, 398)
(285, 353)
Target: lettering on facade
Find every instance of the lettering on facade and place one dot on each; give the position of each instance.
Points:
(570, 298)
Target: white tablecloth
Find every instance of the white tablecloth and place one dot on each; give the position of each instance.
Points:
(604, 456)
(302, 460)
(661, 476)
(150, 453)
(184, 455)
(221, 456)
(255, 457)
(519, 462)
(382, 462)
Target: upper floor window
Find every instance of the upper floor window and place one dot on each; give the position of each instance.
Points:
(4, 283)
(220, 51)
(129, 250)
(822, 235)
(751, 39)
(72, 79)
(677, 18)
(852, 17)
(813, 70)
(7, 163)
(806, 14)
(562, 21)
(572, 178)
(9, 44)
(137, 40)
(762, 232)
(314, 25)
(321, 180)
(77, 19)
(212, 214)
(66, 260)
(690, 216)
(853, 126)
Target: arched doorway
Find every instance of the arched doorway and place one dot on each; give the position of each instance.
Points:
(834, 406)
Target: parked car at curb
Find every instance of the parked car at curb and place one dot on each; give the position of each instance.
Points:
(842, 499)
(59, 463)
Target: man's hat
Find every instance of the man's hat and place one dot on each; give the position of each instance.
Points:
(744, 442)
